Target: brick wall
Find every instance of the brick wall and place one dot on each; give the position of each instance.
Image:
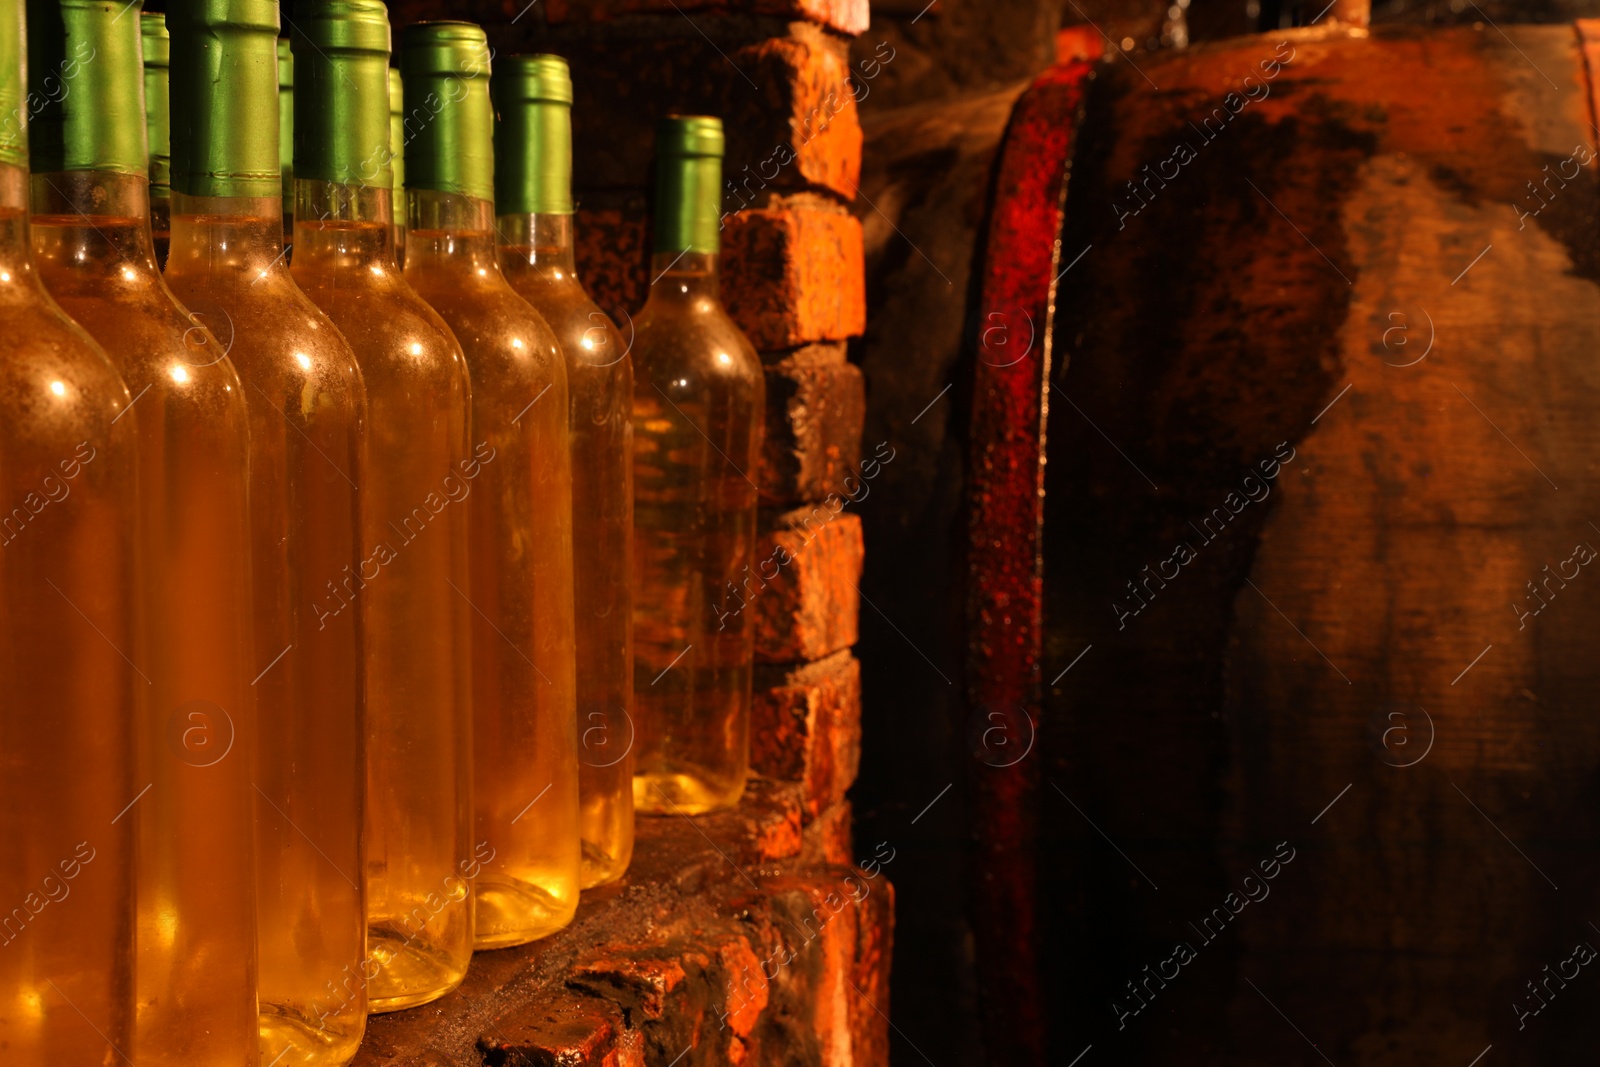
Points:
(779, 74)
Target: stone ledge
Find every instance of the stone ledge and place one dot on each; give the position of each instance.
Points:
(722, 939)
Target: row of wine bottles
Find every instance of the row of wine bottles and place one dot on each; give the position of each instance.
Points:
(348, 612)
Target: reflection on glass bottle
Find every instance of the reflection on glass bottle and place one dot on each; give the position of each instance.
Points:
(698, 405)
(195, 718)
(67, 674)
(523, 645)
(307, 406)
(533, 195)
(413, 510)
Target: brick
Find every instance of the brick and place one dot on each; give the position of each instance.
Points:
(816, 405)
(699, 987)
(795, 273)
(806, 107)
(805, 726)
(834, 928)
(809, 607)
(846, 16)
(830, 837)
(567, 1029)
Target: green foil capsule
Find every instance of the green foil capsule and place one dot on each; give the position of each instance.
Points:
(533, 136)
(157, 47)
(286, 123)
(224, 79)
(397, 135)
(446, 70)
(341, 125)
(13, 86)
(82, 58)
(688, 208)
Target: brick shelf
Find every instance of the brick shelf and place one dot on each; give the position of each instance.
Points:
(672, 965)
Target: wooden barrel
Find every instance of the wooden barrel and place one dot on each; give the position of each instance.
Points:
(1321, 751)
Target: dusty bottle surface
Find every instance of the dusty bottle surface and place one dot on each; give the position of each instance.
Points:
(698, 405)
(533, 153)
(414, 508)
(523, 644)
(196, 936)
(67, 676)
(307, 406)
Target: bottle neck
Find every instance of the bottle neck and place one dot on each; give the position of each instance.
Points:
(684, 278)
(14, 251)
(339, 227)
(214, 235)
(92, 219)
(450, 233)
(543, 242)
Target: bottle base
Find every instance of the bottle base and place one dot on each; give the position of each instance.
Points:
(288, 1041)
(409, 973)
(599, 867)
(666, 793)
(513, 912)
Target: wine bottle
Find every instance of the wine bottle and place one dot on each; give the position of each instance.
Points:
(397, 161)
(157, 49)
(533, 198)
(413, 509)
(286, 137)
(67, 674)
(520, 512)
(195, 717)
(307, 406)
(698, 405)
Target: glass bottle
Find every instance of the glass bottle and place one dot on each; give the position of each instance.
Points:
(157, 48)
(307, 407)
(533, 196)
(698, 408)
(523, 683)
(67, 652)
(413, 510)
(196, 936)
(397, 161)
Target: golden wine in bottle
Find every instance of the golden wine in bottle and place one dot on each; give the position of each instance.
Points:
(533, 198)
(698, 406)
(157, 47)
(67, 674)
(307, 406)
(196, 964)
(520, 512)
(413, 510)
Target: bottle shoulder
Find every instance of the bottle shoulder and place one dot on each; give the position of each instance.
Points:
(396, 335)
(677, 345)
(153, 342)
(503, 336)
(277, 338)
(57, 385)
(589, 338)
